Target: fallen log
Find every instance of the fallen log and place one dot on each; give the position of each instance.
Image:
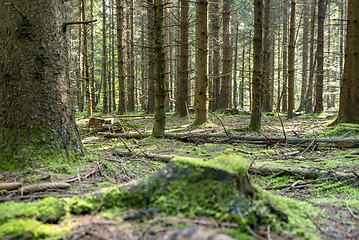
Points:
(324, 142)
(265, 170)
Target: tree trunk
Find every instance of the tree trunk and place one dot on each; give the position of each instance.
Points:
(349, 95)
(92, 63)
(121, 74)
(37, 122)
(266, 88)
(304, 56)
(225, 97)
(255, 123)
(151, 59)
(201, 93)
(182, 81)
(80, 96)
(159, 121)
(285, 47)
(130, 61)
(312, 60)
(215, 59)
(235, 88)
(113, 57)
(291, 59)
(104, 58)
(320, 62)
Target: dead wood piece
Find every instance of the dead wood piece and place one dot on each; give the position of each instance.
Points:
(162, 158)
(10, 186)
(95, 122)
(306, 173)
(351, 156)
(193, 234)
(44, 186)
(322, 142)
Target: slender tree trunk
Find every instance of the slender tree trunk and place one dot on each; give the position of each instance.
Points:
(225, 97)
(291, 55)
(235, 88)
(143, 60)
(304, 56)
(121, 74)
(113, 57)
(80, 98)
(255, 123)
(285, 47)
(159, 121)
(266, 88)
(320, 64)
(241, 87)
(104, 58)
(216, 55)
(131, 61)
(109, 64)
(86, 61)
(312, 60)
(182, 82)
(151, 59)
(92, 62)
(202, 86)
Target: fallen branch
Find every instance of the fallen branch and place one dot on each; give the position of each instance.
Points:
(333, 142)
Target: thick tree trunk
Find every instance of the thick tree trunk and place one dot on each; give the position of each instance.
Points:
(202, 86)
(291, 59)
(121, 74)
(235, 88)
(255, 123)
(37, 122)
(131, 62)
(349, 95)
(159, 121)
(80, 96)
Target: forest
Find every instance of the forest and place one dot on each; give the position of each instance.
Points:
(189, 119)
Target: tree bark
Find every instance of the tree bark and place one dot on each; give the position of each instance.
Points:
(104, 57)
(121, 74)
(304, 56)
(291, 55)
(312, 60)
(182, 82)
(151, 61)
(215, 59)
(349, 95)
(37, 122)
(285, 52)
(320, 62)
(225, 96)
(255, 123)
(159, 121)
(202, 86)
(266, 88)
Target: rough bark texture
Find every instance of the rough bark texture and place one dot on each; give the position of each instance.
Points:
(36, 118)
(151, 59)
(225, 98)
(255, 123)
(291, 56)
(349, 91)
(201, 94)
(131, 62)
(182, 82)
(121, 74)
(159, 121)
(320, 64)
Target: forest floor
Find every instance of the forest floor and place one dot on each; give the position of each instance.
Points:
(336, 198)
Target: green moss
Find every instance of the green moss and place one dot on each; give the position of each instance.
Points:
(31, 229)
(341, 129)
